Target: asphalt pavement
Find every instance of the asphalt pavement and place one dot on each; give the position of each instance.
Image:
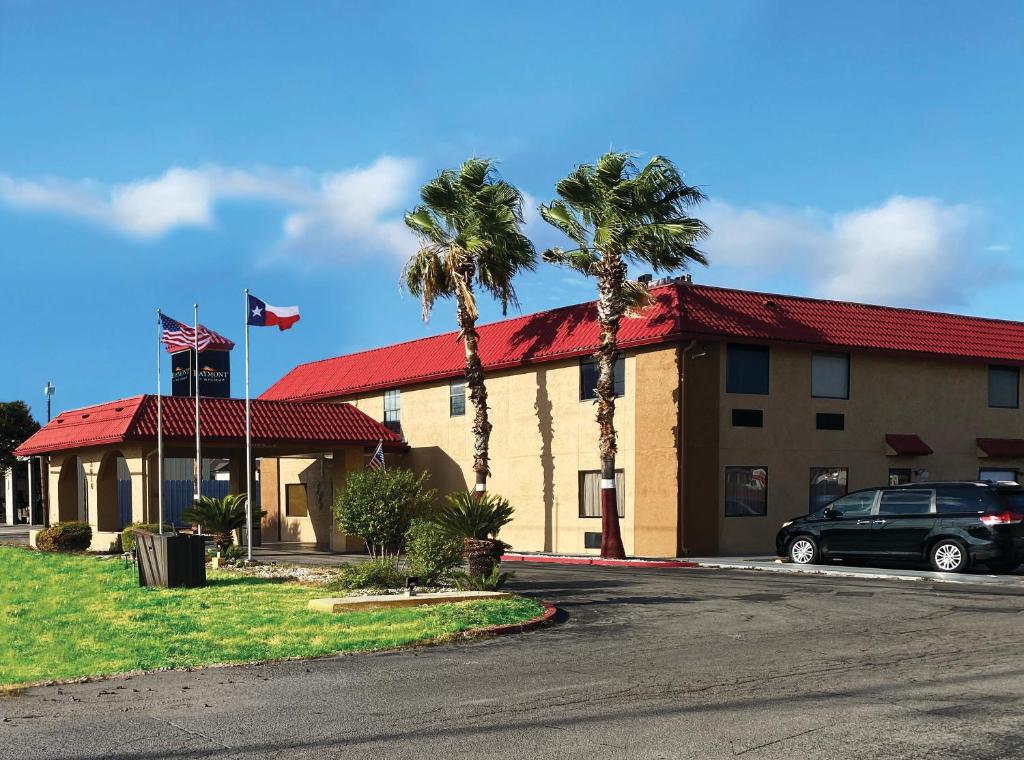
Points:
(692, 663)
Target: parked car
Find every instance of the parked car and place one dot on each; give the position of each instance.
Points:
(950, 525)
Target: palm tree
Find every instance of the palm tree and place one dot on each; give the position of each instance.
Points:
(617, 214)
(476, 519)
(220, 516)
(470, 238)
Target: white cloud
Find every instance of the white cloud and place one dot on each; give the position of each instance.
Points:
(360, 207)
(907, 251)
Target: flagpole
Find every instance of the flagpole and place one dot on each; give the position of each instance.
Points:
(159, 431)
(248, 438)
(199, 450)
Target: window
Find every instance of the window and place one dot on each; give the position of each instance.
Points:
(591, 540)
(1003, 387)
(295, 504)
(827, 484)
(905, 502)
(856, 504)
(746, 369)
(590, 493)
(899, 475)
(457, 398)
(589, 374)
(393, 409)
(828, 421)
(747, 418)
(996, 475)
(954, 499)
(746, 491)
(830, 375)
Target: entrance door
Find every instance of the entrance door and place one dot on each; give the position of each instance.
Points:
(849, 530)
(904, 521)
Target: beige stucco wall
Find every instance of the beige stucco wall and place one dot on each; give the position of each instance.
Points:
(944, 402)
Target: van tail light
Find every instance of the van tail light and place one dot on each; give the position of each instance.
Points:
(1003, 518)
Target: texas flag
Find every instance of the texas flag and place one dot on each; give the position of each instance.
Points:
(262, 314)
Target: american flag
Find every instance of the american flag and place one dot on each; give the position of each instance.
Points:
(177, 337)
(377, 460)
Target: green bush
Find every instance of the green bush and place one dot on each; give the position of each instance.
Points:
(377, 574)
(432, 554)
(74, 536)
(128, 534)
(492, 581)
(378, 505)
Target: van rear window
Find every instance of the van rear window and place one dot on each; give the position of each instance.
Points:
(1014, 498)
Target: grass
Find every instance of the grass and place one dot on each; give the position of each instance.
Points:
(67, 616)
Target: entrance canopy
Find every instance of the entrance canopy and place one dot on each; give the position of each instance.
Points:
(282, 426)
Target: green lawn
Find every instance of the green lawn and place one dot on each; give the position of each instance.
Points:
(65, 616)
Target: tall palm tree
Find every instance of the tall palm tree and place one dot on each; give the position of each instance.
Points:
(617, 214)
(470, 239)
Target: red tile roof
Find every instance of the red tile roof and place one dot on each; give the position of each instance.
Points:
(1002, 447)
(681, 311)
(221, 421)
(907, 444)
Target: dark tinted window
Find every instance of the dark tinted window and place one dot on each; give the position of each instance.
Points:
(830, 375)
(1003, 387)
(856, 504)
(746, 369)
(1014, 499)
(826, 421)
(963, 499)
(905, 502)
(827, 484)
(589, 374)
(747, 418)
(746, 491)
(899, 475)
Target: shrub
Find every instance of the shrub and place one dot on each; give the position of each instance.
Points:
(220, 517)
(128, 534)
(492, 581)
(432, 554)
(379, 574)
(378, 505)
(476, 519)
(74, 536)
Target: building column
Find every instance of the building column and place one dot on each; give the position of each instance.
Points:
(31, 491)
(135, 461)
(344, 461)
(8, 479)
(53, 489)
(91, 464)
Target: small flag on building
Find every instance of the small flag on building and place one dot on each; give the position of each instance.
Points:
(177, 337)
(377, 460)
(262, 314)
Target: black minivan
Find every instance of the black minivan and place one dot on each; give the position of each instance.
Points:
(950, 525)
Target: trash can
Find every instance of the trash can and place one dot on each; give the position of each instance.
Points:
(170, 560)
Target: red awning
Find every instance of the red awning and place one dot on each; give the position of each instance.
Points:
(1001, 447)
(907, 444)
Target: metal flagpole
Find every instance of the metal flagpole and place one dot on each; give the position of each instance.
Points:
(159, 431)
(199, 450)
(248, 438)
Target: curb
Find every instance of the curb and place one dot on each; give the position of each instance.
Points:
(596, 561)
(532, 624)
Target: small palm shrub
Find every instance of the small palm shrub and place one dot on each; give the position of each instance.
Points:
(73, 536)
(493, 581)
(128, 534)
(432, 554)
(220, 517)
(476, 519)
(378, 574)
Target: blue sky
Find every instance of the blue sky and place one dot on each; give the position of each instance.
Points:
(160, 154)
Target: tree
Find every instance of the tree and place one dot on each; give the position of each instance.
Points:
(615, 215)
(220, 516)
(470, 239)
(16, 425)
(476, 519)
(378, 505)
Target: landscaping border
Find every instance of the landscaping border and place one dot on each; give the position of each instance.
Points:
(526, 626)
(570, 559)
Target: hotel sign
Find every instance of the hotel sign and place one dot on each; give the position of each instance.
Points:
(214, 373)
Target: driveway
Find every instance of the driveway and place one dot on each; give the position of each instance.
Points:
(645, 664)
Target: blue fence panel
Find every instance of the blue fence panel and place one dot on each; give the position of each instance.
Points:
(124, 503)
(179, 494)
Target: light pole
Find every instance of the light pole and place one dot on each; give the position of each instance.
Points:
(44, 469)
(48, 392)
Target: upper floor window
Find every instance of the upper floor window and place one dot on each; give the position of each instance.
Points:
(746, 369)
(393, 409)
(830, 375)
(1003, 387)
(589, 374)
(457, 398)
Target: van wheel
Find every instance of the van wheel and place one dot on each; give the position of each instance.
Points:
(803, 550)
(949, 556)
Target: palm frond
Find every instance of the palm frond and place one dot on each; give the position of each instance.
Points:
(581, 259)
(559, 215)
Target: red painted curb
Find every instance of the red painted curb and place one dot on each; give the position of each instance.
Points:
(597, 561)
(545, 617)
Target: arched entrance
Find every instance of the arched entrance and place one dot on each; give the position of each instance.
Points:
(71, 491)
(113, 500)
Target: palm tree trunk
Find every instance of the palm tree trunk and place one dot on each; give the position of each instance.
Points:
(610, 308)
(479, 555)
(477, 396)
